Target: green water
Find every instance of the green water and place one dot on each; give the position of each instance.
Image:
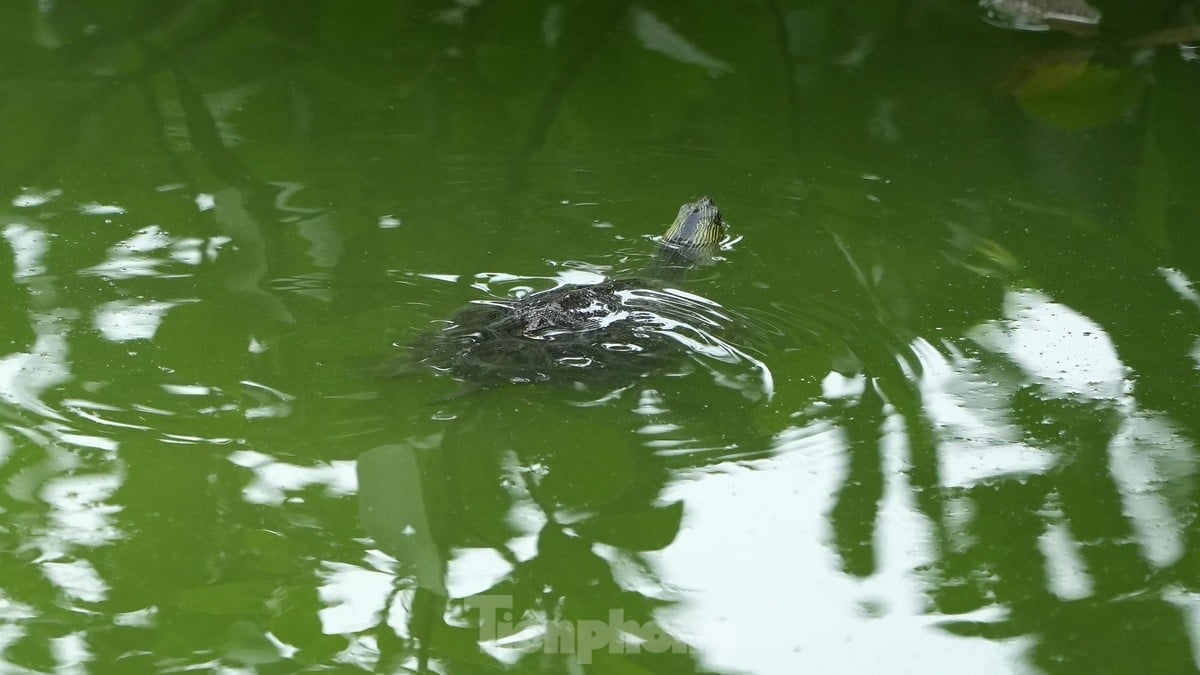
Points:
(954, 430)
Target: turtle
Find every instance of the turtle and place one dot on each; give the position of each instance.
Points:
(585, 335)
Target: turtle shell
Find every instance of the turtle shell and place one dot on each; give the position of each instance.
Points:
(575, 334)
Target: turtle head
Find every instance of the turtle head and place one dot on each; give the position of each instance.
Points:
(698, 229)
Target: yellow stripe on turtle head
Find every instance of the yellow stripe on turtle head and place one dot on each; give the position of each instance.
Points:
(698, 225)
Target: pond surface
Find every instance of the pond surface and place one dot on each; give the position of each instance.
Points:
(937, 412)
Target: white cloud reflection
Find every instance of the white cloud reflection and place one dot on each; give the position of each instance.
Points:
(1181, 284)
(124, 320)
(273, 479)
(354, 597)
(979, 441)
(28, 198)
(794, 610)
(1066, 573)
(77, 579)
(29, 249)
(1071, 357)
(143, 253)
(1059, 348)
(1154, 467)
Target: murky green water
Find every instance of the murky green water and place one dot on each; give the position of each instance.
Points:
(946, 421)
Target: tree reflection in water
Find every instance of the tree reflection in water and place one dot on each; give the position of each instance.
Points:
(981, 451)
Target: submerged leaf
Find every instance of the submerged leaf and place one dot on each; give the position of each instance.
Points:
(1078, 94)
(397, 511)
(659, 36)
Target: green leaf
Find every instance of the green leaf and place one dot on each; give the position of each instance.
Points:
(397, 512)
(1078, 94)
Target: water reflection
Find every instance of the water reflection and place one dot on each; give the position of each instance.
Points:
(981, 496)
(513, 521)
(974, 448)
(90, 503)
